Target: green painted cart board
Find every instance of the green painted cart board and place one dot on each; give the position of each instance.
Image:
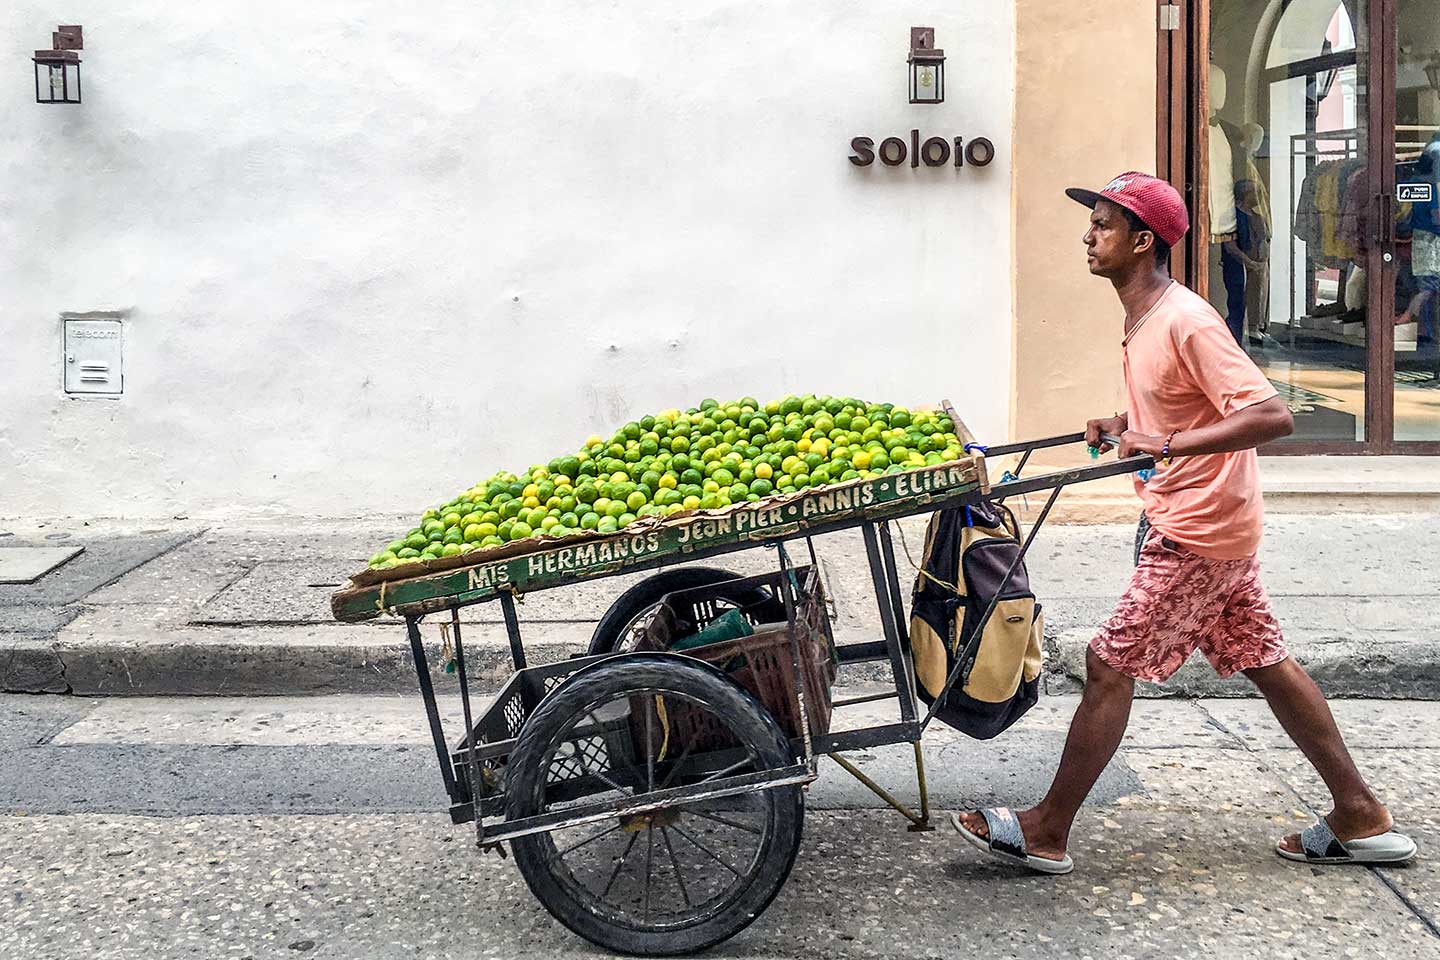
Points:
(481, 575)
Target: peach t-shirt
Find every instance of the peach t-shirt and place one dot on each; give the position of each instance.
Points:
(1184, 370)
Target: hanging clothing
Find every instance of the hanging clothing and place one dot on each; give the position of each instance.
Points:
(1354, 214)
(1321, 220)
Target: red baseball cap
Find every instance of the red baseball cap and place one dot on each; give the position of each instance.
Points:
(1151, 199)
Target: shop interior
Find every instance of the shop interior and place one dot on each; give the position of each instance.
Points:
(1291, 219)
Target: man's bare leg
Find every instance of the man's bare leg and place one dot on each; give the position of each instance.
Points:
(1301, 709)
(1095, 734)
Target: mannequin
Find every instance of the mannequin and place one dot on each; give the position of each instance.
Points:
(1222, 165)
(1252, 213)
(1223, 220)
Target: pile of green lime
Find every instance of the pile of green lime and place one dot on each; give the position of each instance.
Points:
(704, 458)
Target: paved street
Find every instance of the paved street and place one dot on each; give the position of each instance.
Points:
(285, 827)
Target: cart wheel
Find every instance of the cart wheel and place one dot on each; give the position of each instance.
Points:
(632, 610)
(671, 881)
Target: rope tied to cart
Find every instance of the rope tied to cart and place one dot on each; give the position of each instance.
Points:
(664, 725)
(447, 651)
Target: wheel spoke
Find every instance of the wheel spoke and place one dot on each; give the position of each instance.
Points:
(588, 840)
(678, 765)
(734, 767)
(619, 865)
(579, 758)
(649, 861)
(679, 880)
(706, 850)
(728, 823)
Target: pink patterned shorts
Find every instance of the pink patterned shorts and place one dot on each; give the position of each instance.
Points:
(1179, 602)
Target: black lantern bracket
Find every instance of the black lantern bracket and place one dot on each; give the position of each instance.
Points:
(927, 67)
(57, 70)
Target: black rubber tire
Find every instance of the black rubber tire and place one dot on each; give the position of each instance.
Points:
(751, 722)
(648, 592)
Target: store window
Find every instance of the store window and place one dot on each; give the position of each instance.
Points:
(1324, 275)
(1416, 69)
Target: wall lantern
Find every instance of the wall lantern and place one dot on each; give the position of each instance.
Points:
(1432, 74)
(57, 71)
(927, 67)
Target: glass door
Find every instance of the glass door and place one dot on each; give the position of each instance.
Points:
(1291, 194)
(1411, 222)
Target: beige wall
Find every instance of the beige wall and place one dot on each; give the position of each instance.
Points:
(1084, 111)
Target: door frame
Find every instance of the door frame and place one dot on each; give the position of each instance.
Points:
(1182, 110)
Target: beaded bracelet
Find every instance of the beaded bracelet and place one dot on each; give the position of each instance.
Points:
(1165, 450)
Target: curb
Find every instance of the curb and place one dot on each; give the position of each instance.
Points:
(1394, 669)
(154, 669)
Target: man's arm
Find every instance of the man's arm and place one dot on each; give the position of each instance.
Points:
(1245, 429)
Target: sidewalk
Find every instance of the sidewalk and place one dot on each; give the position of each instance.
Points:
(242, 607)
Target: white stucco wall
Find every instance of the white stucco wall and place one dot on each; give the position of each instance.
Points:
(372, 252)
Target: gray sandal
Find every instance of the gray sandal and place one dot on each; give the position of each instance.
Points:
(1320, 845)
(1007, 842)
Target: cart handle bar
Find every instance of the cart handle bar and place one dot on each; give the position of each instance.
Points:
(1070, 475)
(1027, 446)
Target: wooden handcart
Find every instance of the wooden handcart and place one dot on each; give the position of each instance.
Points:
(653, 800)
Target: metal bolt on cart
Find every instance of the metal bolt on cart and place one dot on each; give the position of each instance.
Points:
(653, 797)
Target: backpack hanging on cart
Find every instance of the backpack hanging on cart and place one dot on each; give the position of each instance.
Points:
(968, 550)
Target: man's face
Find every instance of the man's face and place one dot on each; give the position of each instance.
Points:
(1110, 244)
